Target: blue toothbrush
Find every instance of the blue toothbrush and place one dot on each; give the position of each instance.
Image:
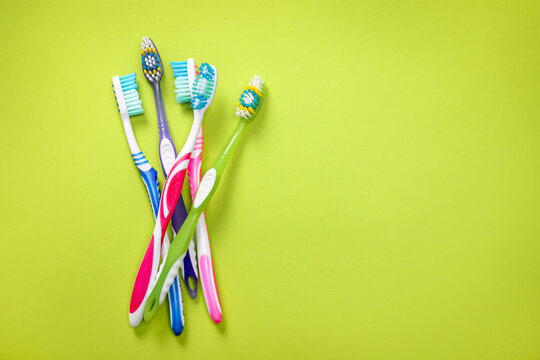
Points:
(129, 104)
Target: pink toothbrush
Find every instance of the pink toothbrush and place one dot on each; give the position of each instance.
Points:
(206, 267)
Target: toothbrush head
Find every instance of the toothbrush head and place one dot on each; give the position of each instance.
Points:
(127, 97)
(204, 87)
(184, 73)
(251, 100)
(151, 62)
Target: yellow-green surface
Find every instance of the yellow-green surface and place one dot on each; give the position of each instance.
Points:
(384, 205)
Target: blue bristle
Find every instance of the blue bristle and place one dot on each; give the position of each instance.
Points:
(131, 96)
(199, 102)
(180, 73)
(179, 68)
(203, 86)
(206, 71)
(254, 104)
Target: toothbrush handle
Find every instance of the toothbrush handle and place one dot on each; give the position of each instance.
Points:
(176, 304)
(162, 118)
(208, 276)
(150, 180)
(206, 266)
(149, 265)
(149, 176)
(189, 264)
(167, 155)
(170, 266)
(205, 192)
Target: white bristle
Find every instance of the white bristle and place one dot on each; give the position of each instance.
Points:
(242, 113)
(257, 82)
(248, 98)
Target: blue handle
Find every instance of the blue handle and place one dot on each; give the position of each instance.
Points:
(176, 306)
(152, 186)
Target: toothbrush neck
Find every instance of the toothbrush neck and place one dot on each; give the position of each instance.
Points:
(193, 134)
(132, 142)
(163, 125)
(231, 146)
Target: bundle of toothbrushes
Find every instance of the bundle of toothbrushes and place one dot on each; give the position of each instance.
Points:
(154, 282)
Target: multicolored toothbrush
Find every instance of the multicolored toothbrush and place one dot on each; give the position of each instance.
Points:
(248, 107)
(153, 70)
(184, 73)
(204, 90)
(129, 104)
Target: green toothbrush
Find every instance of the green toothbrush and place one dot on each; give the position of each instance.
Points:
(248, 107)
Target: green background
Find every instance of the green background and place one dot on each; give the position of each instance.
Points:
(384, 205)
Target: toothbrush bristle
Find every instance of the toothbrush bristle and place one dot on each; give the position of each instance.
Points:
(203, 86)
(151, 62)
(250, 101)
(180, 73)
(131, 95)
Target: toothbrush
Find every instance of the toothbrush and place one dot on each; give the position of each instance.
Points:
(184, 73)
(206, 266)
(151, 64)
(153, 71)
(248, 107)
(128, 102)
(204, 90)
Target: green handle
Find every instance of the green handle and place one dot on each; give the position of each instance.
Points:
(174, 259)
(169, 268)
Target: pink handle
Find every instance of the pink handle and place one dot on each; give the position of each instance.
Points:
(149, 265)
(206, 268)
(194, 167)
(143, 277)
(208, 281)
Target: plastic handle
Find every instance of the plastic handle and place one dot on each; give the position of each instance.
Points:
(189, 265)
(171, 193)
(179, 246)
(170, 266)
(163, 125)
(206, 265)
(167, 155)
(140, 288)
(176, 304)
(146, 274)
(150, 180)
(208, 276)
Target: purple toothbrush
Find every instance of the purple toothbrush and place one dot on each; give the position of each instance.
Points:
(153, 71)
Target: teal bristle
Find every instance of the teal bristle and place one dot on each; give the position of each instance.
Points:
(131, 95)
(203, 86)
(251, 99)
(151, 62)
(180, 73)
